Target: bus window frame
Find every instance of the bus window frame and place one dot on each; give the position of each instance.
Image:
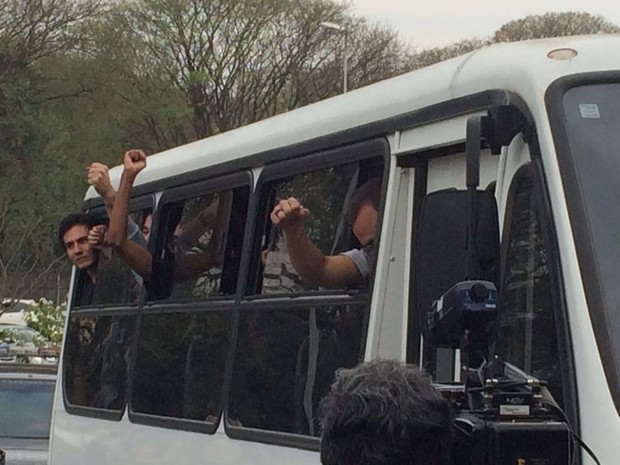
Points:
(137, 204)
(140, 203)
(183, 193)
(258, 217)
(374, 148)
(169, 197)
(541, 206)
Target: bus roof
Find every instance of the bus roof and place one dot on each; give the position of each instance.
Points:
(524, 68)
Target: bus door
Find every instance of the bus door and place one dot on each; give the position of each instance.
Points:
(532, 332)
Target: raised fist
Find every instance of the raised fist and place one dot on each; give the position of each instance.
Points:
(289, 214)
(99, 178)
(96, 236)
(134, 161)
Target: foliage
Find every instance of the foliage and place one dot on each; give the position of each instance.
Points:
(43, 316)
(48, 319)
(33, 30)
(193, 69)
(553, 25)
(32, 34)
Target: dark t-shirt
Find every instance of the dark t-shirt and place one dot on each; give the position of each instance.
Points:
(115, 284)
(86, 290)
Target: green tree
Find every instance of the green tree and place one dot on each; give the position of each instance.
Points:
(31, 34)
(188, 70)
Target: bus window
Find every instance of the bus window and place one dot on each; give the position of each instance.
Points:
(292, 337)
(528, 335)
(96, 360)
(285, 362)
(97, 347)
(180, 365)
(326, 194)
(113, 282)
(202, 245)
(184, 343)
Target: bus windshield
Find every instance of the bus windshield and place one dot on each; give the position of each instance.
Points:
(592, 184)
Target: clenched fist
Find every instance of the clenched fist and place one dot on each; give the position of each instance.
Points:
(289, 214)
(134, 161)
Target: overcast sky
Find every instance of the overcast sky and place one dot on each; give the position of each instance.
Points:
(431, 23)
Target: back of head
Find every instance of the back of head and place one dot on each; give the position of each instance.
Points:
(73, 219)
(385, 413)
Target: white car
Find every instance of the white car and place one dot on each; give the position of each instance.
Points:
(12, 311)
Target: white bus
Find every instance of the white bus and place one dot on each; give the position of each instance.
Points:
(229, 367)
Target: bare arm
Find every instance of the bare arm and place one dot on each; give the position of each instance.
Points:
(201, 223)
(99, 178)
(210, 217)
(136, 256)
(315, 268)
(191, 265)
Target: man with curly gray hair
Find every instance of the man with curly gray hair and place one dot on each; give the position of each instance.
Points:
(385, 412)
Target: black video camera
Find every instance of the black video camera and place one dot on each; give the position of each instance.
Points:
(503, 416)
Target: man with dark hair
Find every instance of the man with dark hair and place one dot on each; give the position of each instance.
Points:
(385, 412)
(350, 268)
(73, 234)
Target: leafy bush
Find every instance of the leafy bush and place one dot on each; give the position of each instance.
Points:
(47, 318)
